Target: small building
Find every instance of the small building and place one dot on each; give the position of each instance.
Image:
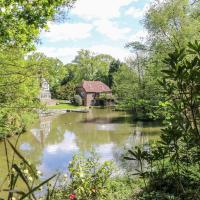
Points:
(95, 93)
(45, 95)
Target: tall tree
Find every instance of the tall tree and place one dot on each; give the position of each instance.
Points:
(139, 62)
(173, 162)
(171, 24)
(18, 90)
(93, 67)
(125, 87)
(50, 68)
(22, 20)
(114, 67)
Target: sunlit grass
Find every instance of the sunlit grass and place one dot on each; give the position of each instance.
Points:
(65, 106)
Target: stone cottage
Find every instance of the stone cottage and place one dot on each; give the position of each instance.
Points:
(95, 93)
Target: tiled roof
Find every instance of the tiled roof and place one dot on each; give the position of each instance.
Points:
(95, 86)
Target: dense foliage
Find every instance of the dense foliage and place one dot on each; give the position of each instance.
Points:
(136, 89)
(170, 24)
(20, 25)
(22, 21)
(173, 164)
(18, 90)
(93, 179)
(78, 100)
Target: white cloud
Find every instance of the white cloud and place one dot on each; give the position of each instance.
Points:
(99, 9)
(67, 31)
(139, 36)
(117, 52)
(78, 31)
(68, 144)
(137, 12)
(111, 30)
(67, 54)
(140, 12)
(105, 151)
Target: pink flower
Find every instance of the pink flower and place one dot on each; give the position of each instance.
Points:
(72, 196)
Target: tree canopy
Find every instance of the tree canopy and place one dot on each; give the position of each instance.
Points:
(170, 24)
(21, 21)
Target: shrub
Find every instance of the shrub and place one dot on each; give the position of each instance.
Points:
(89, 177)
(92, 179)
(64, 92)
(78, 100)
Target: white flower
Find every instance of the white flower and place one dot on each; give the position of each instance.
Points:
(30, 178)
(13, 198)
(65, 176)
(39, 173)
(13, 170)
(26, 171)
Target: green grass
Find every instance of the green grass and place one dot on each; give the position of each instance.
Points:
(65, 106)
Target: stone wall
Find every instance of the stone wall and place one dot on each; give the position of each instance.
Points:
(89, 101)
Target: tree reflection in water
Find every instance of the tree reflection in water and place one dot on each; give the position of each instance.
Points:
(51, 142)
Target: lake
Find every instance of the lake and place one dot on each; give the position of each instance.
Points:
(51, 141)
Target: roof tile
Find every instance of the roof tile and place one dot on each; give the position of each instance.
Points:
(95, 86)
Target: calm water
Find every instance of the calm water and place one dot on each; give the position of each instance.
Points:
(51, 142)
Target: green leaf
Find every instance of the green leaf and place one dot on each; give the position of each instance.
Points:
(36, 188)
(23, 178)
(22, 158)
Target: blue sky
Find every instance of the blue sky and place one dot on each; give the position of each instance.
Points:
(102, 26)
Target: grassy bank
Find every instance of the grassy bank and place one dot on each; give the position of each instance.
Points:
(66, 106)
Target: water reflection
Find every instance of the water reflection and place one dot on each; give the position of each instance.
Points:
(106, 151)
(44, 129)
(56, 156)
(52, 141)
(106, 127)
(25, 147)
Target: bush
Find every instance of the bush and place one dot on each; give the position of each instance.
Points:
(12, 122)
(92, 179)
(78, 100)
(89, 177)
(64, 92)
